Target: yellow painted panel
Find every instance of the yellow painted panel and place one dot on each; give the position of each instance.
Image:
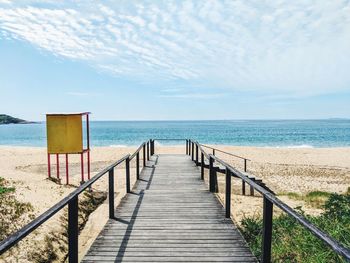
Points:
(64, 133)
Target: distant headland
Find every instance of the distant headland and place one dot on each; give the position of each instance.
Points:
(6, 119)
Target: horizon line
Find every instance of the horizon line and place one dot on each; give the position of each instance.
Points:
(188, 120)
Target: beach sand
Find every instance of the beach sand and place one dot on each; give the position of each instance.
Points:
(284, 170)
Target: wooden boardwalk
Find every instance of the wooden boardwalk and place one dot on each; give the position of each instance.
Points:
(170, 216)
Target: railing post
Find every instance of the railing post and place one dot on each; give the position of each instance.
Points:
(138, 166)
(213, 151)
(148, 151)
(111, 193)
(228, 194)
(152, 147)
(192, 151)
(189, 147)
(127, 170)
(267, 231)
(186, 147)
(211, 175)
(197, 163)
(202, 166)
(252, 188)
(144, 155)
(73, 230)
(243, 183)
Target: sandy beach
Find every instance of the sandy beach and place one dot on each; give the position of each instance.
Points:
(284, 170)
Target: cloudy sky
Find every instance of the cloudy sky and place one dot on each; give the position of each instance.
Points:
(121, 60)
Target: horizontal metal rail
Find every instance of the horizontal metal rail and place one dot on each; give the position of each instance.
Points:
(137, 151)
(168, 139)
(72, 201)
(228, 153)
(201, 149)
(269, 200)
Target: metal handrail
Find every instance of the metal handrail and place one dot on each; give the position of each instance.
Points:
(228, 153)
(269, 200)
(16, 237)
(169, 139)
(137, 151)
(201, 149)
(72, 201)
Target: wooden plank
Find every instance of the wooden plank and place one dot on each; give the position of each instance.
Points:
(170, 216)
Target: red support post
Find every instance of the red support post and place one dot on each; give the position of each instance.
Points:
(88, 143)
(48, 165)
(88, 157)
(58, 166)
(82, 166)
(87, 132)
(67, 176)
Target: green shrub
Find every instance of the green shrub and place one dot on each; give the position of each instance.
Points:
(291, 242)
(3, 188)
(13, 213)
(315, 198)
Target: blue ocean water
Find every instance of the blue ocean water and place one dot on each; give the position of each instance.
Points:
(268, 133)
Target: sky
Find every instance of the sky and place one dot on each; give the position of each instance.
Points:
(176, 60)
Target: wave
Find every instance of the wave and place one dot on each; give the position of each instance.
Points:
(301, 146)
(118, 145)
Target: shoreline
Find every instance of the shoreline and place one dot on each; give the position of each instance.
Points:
(301, 146)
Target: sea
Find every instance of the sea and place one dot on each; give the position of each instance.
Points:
(262, 133)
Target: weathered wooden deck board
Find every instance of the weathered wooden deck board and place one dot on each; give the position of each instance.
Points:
(170, 217)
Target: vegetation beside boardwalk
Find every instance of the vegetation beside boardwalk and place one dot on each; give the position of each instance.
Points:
(56, 243)
(316, 199)
(44, 246)
(291, 242)
(13, 213)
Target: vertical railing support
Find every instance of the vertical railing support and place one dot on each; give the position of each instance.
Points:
(243, 183)
(144, 155)
(148, 151)
(202, 166)
(213, 151)
(138, 165)
(252, 188)
(192, 146)
(127, 170)
(189, 147)
(267, 231)
(73, 230)
(152, 147)
(197, 163)
(211, 175)
(186, 147)
(111, 193)
(228, 194)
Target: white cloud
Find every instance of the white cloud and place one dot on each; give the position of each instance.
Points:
(193, 96)
(83, 94)
(281, 46)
